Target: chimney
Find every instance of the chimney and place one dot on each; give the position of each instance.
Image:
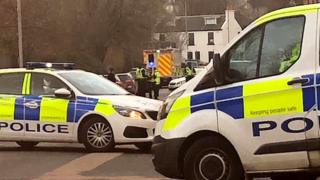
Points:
(230, 14)
(231, 6)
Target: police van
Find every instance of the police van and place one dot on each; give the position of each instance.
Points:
(254, 110)
(47, 102)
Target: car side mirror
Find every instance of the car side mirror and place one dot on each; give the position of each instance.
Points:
(218, 71)
(62, 93)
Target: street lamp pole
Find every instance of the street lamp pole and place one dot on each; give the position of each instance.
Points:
(186, 22)
(228, 20)
(20, 58)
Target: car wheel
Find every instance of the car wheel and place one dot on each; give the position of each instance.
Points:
(27, 144)
(212, 158)
(144, 147)
(98, 136)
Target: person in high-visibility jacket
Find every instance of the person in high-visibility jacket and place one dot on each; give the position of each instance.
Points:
(138, 73)
(288, 62)
(189, 72)
(150, 83)
(157, 83)
(141, 79)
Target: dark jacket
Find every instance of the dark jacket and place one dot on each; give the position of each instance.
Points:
(112, 77)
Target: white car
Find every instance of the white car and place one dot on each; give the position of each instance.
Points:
(57, 105)
(176, 83)
(127, 82)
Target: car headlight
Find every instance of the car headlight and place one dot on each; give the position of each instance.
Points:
(167, 105)
(126, 112)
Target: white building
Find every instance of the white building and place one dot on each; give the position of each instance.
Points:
(199, 37)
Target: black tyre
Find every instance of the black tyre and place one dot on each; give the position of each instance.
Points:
(27, 144)
(97, 136)
(212, 158)
(144, 147)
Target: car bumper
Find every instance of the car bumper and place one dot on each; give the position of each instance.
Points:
(130, 131)
(166, 156)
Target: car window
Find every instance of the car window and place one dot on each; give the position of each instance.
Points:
(269, 50)
(206, 82)
(281, 45)
(11, 83)
(124, 77)
(92, 84)
(243, 57)
(45, 84)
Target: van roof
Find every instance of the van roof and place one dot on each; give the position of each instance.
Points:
(288, 12)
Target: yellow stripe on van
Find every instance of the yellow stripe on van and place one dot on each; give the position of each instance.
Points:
(179, 111)
(270, 98)
(25, 82)
(53, 110)
(104, 107)
(7, 107)
(28, 85)
(287, 12)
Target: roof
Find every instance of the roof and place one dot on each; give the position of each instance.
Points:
(194, 23)
(286, 12)
(41, 70)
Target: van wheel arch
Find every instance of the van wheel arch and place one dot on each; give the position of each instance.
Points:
(198, 135)
(84, 121)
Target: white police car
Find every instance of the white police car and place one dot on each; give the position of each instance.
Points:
(56, 104)
(176, 83)
(254, 111)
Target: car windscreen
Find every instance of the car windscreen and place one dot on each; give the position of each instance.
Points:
(124, 77)
(133, 74)
(92, 84)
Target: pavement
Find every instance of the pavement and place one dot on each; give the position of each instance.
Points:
(54, 161)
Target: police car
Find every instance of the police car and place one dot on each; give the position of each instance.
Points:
(51, 103)
(253, 111)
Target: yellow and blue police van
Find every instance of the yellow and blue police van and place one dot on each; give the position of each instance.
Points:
(253, 111)
(51, 102)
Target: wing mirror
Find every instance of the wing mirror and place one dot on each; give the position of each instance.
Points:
(62, 93)
(218, 70)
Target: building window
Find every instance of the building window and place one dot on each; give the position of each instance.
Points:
(211, 55)
(190, 55)
(162, 37)
(210, 21)
(210, 38)
(197, 54)
(191, 39)
(171, 22)
(173, 45)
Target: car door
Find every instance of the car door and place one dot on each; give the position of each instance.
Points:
(11, 106)
(270, 94)
(48, 117)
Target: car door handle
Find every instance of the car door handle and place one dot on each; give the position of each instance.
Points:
(31, 105)
(298, 81)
